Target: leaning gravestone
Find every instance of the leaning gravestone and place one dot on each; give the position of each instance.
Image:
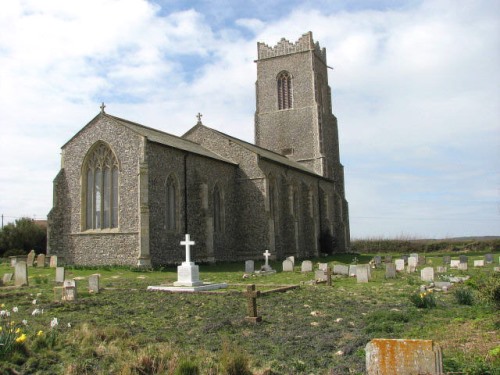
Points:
(40, 260)
(363, 273)
(7, 278)
(94, 283)
(53, 261)
(287, 265)
(21, 274)
(400, 265)
(31, 258)
(341, 269)
(60, 274)
(390, 270)
(479, 263)
(307, 266)
(427, 274)
(403, 357)
(488, 258)
(352, 270)
(249, 266)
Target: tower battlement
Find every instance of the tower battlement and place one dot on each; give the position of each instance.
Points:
(285, 47)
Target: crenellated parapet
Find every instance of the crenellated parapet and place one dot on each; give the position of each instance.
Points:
(285, 47)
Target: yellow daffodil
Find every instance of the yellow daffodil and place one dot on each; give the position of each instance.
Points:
(39, 333)
(21, 339)
(18, 330)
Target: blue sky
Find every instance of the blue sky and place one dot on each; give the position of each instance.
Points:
(415, 88)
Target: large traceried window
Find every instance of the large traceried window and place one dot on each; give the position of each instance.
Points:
(172, 209)
(101, 188)
(284, 91)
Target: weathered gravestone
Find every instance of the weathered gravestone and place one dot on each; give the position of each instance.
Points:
(400, 265)
(363, 273)
(388, 259)
(31, 258)
(60, 274)
(291, 259)
(287, 265)
(454, 263)
(319, 275)
(40, 260)
(440, 269)
(412, 264)
(249, 266)
(488, 258)
(403, 357)
(377, 260)
(266, 267)
(462, 266)
(69, 290)
(414, 255)
(421, 260)
(427, 274)
(94, 283)
(446, 260)
(322, 266)
(21, 274)
(7, 278)
(479, 263)
(390, 270)
(306, 266)
(53, 261)
(463, 259)
(352, 270)
(405, 258)
(341, 269)
(252, 295)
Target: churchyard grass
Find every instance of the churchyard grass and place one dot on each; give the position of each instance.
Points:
(314, 329)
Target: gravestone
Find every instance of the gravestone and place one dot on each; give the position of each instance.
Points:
(463, 259)
(454, 263)
(320, 275)
(306, 266)
(53, 261)
(7, 278)
(266, 266)
(488, 258)
(414, 255)
(412, 264)
(21, 274)
(292, 259)
(322, 266)
(363, 273)
(446, 260)
(377, 260)
(94, 283)
(479, 263)
(287, 265)
(352, 270)
(249, 266)
(441, 284)
(60, 274)
(440, 269)
(31, 258)
(427, 274)
(462, 266)
(40, 260)
(388, 259)
(341, 269)
(403, 357)
(405, 258)
(252, 295)
(390, 270)
(421, 260)
(69, 290)
(400, 265)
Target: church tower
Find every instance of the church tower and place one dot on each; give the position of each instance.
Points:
(294, 110)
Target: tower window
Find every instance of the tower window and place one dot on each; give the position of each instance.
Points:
(284, 90)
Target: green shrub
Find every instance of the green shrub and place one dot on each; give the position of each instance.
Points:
(234, 362)
(464, 296)
(187, 367)
(423, 300)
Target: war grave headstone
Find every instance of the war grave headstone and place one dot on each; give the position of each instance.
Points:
(446, 260)
(341, 269)
(479, 263)
(188, 275)
(363, 273)
(252, 295)
(7, 278)
(352, 270)
(400, 265)
(463, 259)
(249, 266)
(94, 283)
(403, 357)
(21, 274)
(60, 274)
(454, 263)
(462, 266)
(287, 265)
(390, 270)
(31, 258)
(53, 261)
(40, 260)
(322, 266)
(69, 290)
(488, 258)
(427, 274)
(306, 266)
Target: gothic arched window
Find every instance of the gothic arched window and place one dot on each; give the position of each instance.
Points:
(218, 210)
(172, 206)
(284, 91)
(101, 188)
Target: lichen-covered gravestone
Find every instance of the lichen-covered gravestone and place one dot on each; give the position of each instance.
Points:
(427, 274)
(341, 269)
(21, 274)
(40, 260)
(60, 274)
(53, 261)
(94, 283)
(403, 357)
(390, 270)
(363, 273)
(31, 258)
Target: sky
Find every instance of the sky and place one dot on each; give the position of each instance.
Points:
(415, 87)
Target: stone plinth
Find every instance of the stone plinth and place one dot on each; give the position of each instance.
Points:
(188, 274)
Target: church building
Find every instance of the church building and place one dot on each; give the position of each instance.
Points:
(127, 194)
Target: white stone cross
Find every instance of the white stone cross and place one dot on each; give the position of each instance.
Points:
(188, 243)
(267, 254)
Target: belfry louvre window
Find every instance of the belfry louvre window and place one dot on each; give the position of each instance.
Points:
(284, 91)
(101, 188)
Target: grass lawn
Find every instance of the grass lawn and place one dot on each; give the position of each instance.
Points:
(314, 329)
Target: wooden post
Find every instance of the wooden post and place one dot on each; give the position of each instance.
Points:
(328, 274)
(252, 295)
